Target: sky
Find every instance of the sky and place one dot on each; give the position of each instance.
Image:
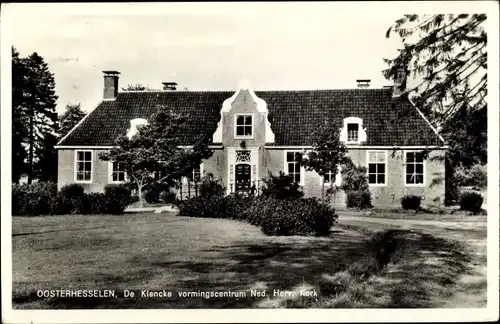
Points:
(284, 46)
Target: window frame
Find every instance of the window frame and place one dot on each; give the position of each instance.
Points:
(338, 178)
(285, 167)
(368, 168)
(110, 173)
(190, 178)
(424, 171)
(347, 132)
(75, 171)
(236, 136)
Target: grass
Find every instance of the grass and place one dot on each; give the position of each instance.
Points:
(163, 251)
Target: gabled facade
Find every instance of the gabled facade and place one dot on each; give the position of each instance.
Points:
(257, 132)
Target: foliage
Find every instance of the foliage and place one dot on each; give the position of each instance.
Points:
(471, 201)
(411, 202)
(72, 190)
(305, 216)
(360, 199)
(33, 199)
(281, 186)
(209, 187)
(448, 53)
(45, 168)
(476, 177)
(136, 87)
(71, 116)
(72, 199)
(33, 115)
(157, 148)
(327, 154)
(353, 177)
(119, 197)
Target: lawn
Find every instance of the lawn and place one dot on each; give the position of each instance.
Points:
(182, 254)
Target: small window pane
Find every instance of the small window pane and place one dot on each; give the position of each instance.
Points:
(79, 176)
(410, 157)
(410, 168)
(352, 127)
(80, 156)
(380, 168)
(419, 178)
(381, 157)
(88, 156)
(87, 166)
(420, 168)
(248, 120)
(248, 130)
(327, 177)
(409, 178)
(371, 178)
(297, 177)
(289, 156)
(381, 178)
(79, 166)
(372, 168)
(419, 157)
(115, 176)
(291, 168)
(297, 167)
(240, 120)
(372, 157)
(240, 130)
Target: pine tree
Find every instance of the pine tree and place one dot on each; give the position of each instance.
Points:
(19, 116)
(70, 118)
(40, 99)
(448, 55)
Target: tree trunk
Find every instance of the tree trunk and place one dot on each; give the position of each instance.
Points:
(30, 157)
(139, 192)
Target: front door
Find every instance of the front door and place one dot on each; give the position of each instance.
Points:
(242, 178)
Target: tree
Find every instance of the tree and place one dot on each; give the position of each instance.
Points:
(70, 118)
(448, 55)
(34, 103)
(156, 148)
(135, 87)
(19, 116)
(46, 165)
(327, 154)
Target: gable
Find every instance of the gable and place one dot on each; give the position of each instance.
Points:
(293, 115)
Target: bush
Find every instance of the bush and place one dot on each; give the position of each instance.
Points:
(360, 199)
(72, 190)
(411, 202)
(291, 217)
(118, 198)
(353, 177)
(33, 199)
(207, 207)
(471, 201)
(167, 197)
(236, 206)
(281, 186)
(96, 203)
(71, 200)
(210, 187)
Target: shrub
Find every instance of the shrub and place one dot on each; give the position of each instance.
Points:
(118, 196)
(281, 186)
(360, 199)
(411, 202)
(33, 199)
(236, 206)
(72, 200)
(210, 187)
(72, 190)
(96, 203)
(471, 201)
(167, 197)
(207, 207)
(292, 217)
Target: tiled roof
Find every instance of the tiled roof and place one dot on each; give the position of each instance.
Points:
(293, 115)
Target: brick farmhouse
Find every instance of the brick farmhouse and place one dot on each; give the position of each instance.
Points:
(382, 129)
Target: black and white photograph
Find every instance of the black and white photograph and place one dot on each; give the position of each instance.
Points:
(235, 162)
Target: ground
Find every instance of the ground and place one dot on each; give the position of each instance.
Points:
(443, 263)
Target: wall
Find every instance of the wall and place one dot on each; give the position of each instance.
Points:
(66, 171)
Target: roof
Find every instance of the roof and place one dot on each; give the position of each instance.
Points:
(293, 115)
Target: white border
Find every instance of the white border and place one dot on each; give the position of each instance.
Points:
(424, 163)
(238, 137)
(302, 169)
(367, 169)
(91, 166)
(358, 9)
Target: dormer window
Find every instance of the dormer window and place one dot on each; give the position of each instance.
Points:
(243, 126)
(352, 131)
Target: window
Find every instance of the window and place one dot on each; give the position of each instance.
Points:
(196, 173)
(377, 161)
(328, 178)
(352, 132)
(293, 167)
(244, 126)
(117, 172)
(83, 166)
(414, 168)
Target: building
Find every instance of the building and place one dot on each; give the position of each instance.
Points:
(261, 131)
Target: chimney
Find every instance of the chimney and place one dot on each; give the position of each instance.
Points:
(110, 84)
(169, 86)
(363, 83)
(399, 83)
